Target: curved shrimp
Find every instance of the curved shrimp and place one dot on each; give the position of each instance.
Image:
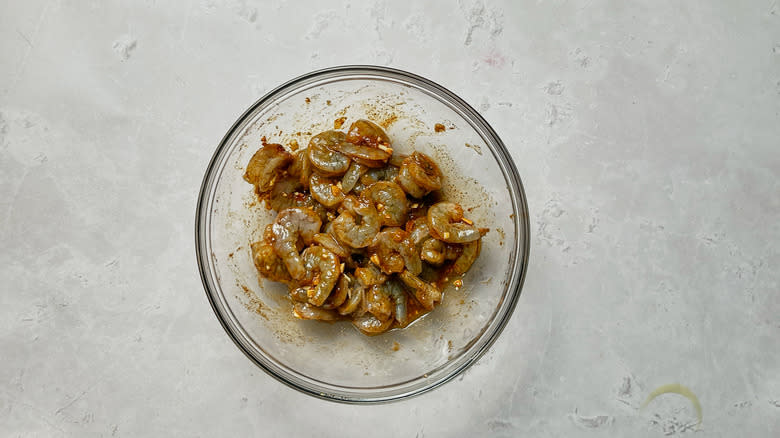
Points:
(446, 223)
(370, 325)
(368, 133)
(381, 153)
(388, 173)
(285, 194)
(324, 158)
(301, 167)
(433, 251)
(393, 251)
(466, 258)
(339, 293)
(325, 191)
(322, 272)
(308, 311)
(419, 175)
(292, 226)
(373, 164)
(352, 176)
(327, 241)
(426, 293)
(396, 291)
(370, 275)
(378, 302)
(418, 231)
(355, 293)
(390, 201)
(266, 165)
(358, 222)
(268, 264)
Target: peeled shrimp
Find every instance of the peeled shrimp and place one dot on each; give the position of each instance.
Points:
(322, 270)
(368, 133)
(293, 228)
(339, 293)
(358, 222)
(426, 293)
(393, 251)
(324, 158)
(308, 311)
(301, 167)
(370, 275)
(390, 201)
(268, 264)
(355, 293)
(266, 165)
(444, 221)
(330, 243)
(388, 173)
(325, 191)
(378, 302)
(370, 325)
(364, 152)
(396, 291)
(419, 175)
(352, 176)
(432, 251)
(466, 259)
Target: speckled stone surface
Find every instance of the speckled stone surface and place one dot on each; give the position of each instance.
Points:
(647, 136)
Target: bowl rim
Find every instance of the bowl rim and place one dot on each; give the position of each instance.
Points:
(521, 222)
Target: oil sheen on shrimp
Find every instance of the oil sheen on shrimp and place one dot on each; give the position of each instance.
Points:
(294, 228)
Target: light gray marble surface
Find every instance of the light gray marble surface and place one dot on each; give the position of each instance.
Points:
(647, 136)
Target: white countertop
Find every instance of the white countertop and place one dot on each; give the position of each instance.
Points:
(647, 137)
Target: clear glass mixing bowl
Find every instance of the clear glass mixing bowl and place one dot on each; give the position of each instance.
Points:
(335, 361)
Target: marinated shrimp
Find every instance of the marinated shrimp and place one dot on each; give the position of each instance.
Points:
(357, 236)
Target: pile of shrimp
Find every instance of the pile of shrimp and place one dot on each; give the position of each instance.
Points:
(361, 233)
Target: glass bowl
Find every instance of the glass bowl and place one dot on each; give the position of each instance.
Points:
(333, 360)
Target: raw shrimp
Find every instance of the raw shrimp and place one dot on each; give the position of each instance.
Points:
(418, 231)
(466, 258)
(325, 191)
(395, 290)
(426, 293)
(286, 193)
(301, 167)
(378, 302)
(352, 176)
(369, 163)
(364, 152)
(359, 234)
(330, 243)
(293, 228)
(444, 221)
(324, 158)
(322, 272)
(388, 173)
(370, 275)
(393, 251)
(370, 325)
(355, 293)
(266, 165)
(339, 293)
(419, 175)
(390, 201)
(368, 133)
(308, 311)
(432, 251)
(358, 222)
(268, 264)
